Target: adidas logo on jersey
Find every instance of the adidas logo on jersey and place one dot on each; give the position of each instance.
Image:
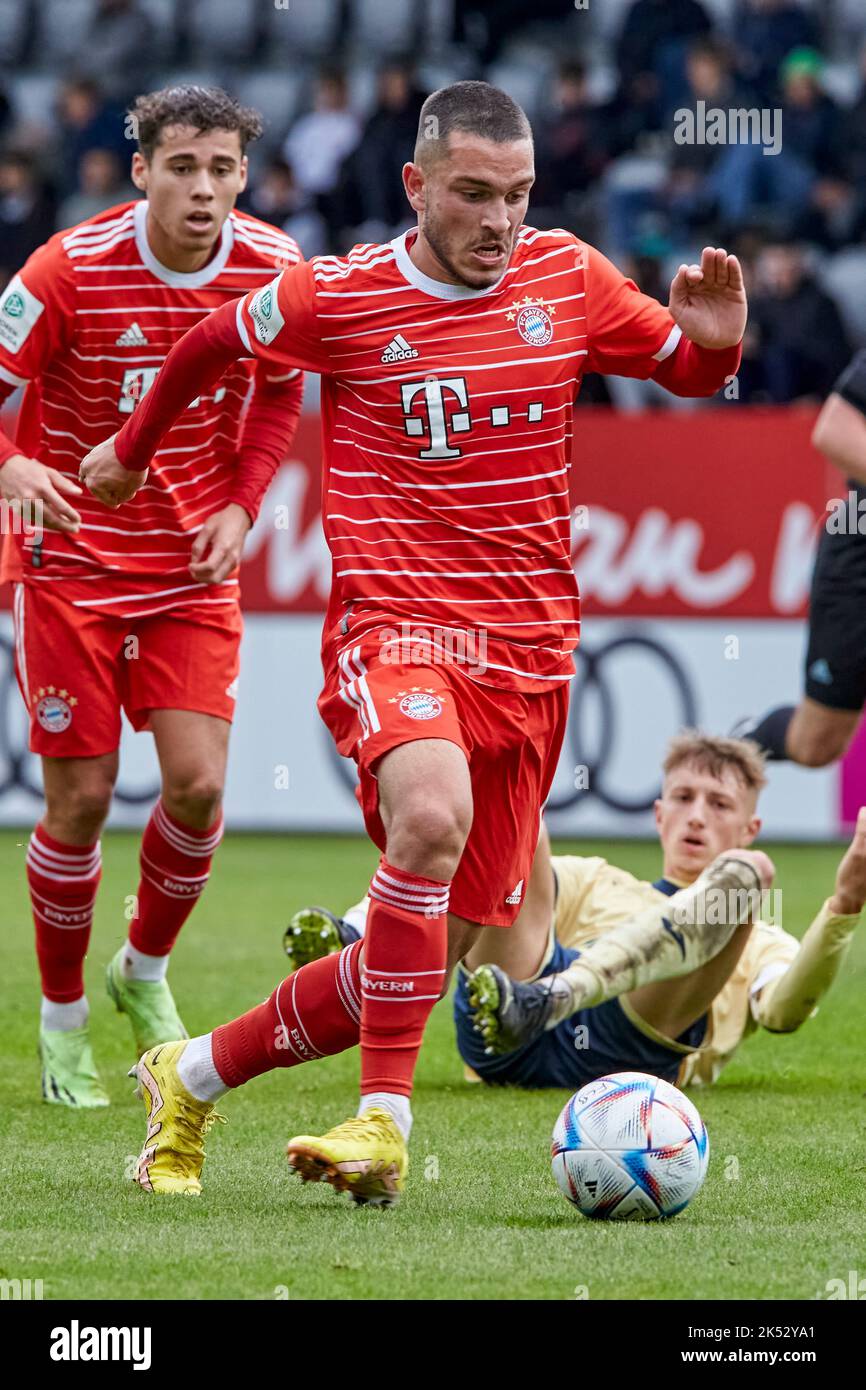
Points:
(131, 337)
(516, 893)
(398, 350)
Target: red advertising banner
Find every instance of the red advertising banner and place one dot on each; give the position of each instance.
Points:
(685, 514)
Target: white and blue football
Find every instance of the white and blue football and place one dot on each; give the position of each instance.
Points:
(629, 1147)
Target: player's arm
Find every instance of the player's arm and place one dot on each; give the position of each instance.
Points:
(692, 347)
(840, 430)
(788, 1000)
(36, 316)
(266, 436)
(276, 324)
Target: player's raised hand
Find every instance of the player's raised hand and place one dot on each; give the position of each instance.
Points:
(216, 550)
(29, 484)
(708, 301)
(104, 475)
(850, 894)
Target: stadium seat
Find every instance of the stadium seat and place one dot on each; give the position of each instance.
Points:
(223, 30)
(525, 82)
(386, 26)
(13, 30)
(62, 25)
(306, 28)
(33, 96)
(276, 94)
(844, 277)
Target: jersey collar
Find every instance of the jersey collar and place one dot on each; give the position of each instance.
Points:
(667, 886)
(178, 279)
(437, 288)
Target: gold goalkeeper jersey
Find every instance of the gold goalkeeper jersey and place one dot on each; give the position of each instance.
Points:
(594, 896)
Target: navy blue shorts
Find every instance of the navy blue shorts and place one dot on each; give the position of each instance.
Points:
(589, 1044)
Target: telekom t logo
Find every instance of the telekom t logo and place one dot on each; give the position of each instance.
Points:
(441, 395)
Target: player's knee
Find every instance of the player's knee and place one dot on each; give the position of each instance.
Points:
(80, 811)
(194, 799)
(821, 746)
(427, 837)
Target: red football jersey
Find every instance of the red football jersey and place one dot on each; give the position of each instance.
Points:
(447, 428)
(86, 326)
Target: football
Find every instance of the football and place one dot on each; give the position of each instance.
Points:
(629, 1147)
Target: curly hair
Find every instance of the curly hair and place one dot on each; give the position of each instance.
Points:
(204, 108)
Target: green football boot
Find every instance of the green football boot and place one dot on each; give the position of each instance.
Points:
(148, 1004)
(69, 1075)
(315, 932)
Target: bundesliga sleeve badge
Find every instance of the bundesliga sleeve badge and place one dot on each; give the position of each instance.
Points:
(54, 708)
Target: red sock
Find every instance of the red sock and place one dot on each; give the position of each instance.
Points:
(63, 881)
(175, 866)
(405, 955)
(316, 1012)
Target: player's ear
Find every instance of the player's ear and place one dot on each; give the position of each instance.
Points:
(752, 830)
(138, 172)
(244, 171)
(658, 812)
(413, 182)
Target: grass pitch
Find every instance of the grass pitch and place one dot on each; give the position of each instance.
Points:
(781, 1212)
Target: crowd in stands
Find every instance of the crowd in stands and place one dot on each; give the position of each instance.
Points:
(603, 92)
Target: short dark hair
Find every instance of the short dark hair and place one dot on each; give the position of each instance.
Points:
(475, 107)
(204, 108)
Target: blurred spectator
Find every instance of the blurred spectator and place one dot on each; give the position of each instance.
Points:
(801, 341)
(87, 122)
(690, 196)
(5, 113)
(783, 181)
(119, 47)
(852, 135)
(487, 27)
(26, 210)
(765, 31)
(276, 198)
(319, 141)
(653, 43)
(374, 171)
(101, 183)
(569, 146)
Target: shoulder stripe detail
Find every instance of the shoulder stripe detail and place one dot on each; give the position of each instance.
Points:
(327, 276)
(124, 234)
(87, 231)
(283, 249)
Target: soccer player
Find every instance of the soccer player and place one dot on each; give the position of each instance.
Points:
(450, 359)
(139, 612)
(819, 729)
(542, 1028)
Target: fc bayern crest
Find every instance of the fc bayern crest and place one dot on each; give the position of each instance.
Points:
(421, 706)
(54, 709)
(534, 321)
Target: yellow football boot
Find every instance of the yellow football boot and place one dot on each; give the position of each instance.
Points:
(173, 1153)
(365, 1156)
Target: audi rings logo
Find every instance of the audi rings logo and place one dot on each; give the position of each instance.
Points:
(616, 687)
(19, 768)
(619, 685)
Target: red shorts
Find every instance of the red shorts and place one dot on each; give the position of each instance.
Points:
(78, 668)
(511, 742)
